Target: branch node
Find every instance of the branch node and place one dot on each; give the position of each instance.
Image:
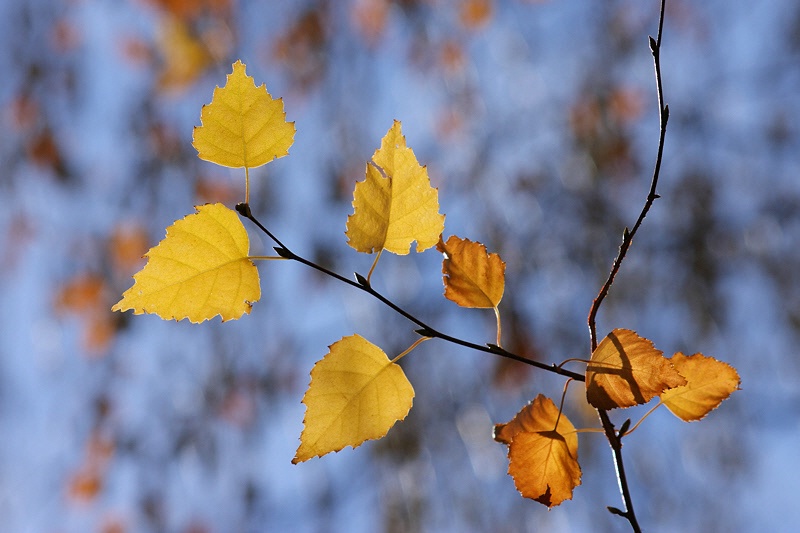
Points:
(624, 428)
(653, 45)
(665, 115)
(281, 251)
(364, 282)
(618, 512)
(243, 208)
(425, 332)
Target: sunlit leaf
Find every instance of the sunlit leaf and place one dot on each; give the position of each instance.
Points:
(243, 126)
(627, 370)
(395, 205)
(709, 383)
(543, 458)
(356, 394)
(472, 277)
(201, 269)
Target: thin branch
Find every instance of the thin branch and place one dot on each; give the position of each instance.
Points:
(614, 437)
(627, 237)
(424, 330)
(615, 440)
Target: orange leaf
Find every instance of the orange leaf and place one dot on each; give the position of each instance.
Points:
(627, 370)
(87, 295)
(472, 277)
(709, 383)
(475, 13)
(82, 294)
(127, 245)
(543, 458)
(85, 485)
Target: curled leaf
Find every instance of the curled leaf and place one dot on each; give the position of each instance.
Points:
(627, 370)
(543, 458)
(472, 276)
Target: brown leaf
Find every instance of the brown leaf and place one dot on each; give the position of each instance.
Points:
(627, 370)
(472, 277)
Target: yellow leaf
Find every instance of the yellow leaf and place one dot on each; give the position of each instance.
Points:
(627, 370)
(355, 394)
(709, 383)
(243, 126)
(201, 269)
(543, 458)
(395, 205)
(472, 277)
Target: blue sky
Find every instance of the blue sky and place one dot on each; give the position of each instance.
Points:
(538, 127)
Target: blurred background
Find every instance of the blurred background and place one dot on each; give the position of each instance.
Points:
(537, 121)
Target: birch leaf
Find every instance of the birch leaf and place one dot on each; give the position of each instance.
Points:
(356, 394)
(395, 205)
(543, 458)
(709, 383)
(198, 271)
(243, 126)
(472, 277)
(627, 370)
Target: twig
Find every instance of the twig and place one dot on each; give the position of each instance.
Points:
(424, 330)
(614, 437)
(627, 237)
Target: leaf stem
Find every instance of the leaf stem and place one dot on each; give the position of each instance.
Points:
(246, 185)
(374, 264)
(499, 326)
(425, 330)
(410, 348)
(561, 405)
(648, 413)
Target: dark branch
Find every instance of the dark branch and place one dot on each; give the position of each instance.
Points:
(425, 330)
(615, 437)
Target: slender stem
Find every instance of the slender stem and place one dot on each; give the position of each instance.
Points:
(561, 405)
(374, 264)
(425, 330)
(410, 348)
(246, 185)
(614, 438)
(648, 413)
(499, 326)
